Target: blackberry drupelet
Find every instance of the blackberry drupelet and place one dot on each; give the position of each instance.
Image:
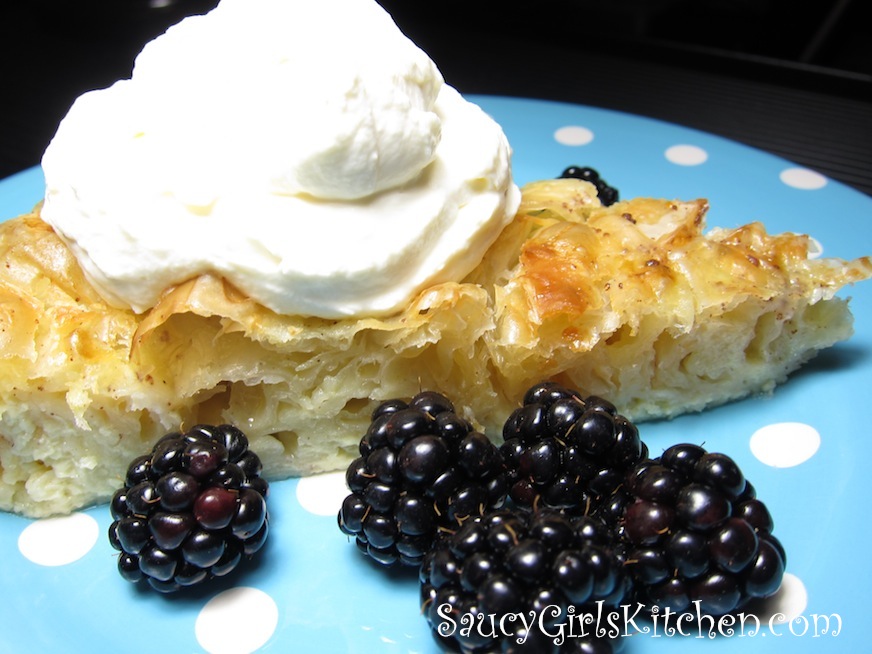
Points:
(192, 509)
(607, 195)
(512, 562)
(569, 452)
(422, 468)
(695, 532)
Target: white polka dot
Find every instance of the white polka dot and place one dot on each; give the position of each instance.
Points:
(803, 178)
(322, 494)
(686, 155)
(59, 541)
(236, 621)
(789, 602)
(785, 444)
(573, 135)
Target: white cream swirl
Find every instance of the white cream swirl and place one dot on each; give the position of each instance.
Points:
(305, 150)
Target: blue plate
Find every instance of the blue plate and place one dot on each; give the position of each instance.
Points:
(804, 447)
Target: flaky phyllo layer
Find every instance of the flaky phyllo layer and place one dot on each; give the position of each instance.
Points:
(633, 302)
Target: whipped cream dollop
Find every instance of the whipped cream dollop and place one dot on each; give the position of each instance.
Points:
(305, 150)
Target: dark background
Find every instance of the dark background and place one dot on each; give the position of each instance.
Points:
(792, 78)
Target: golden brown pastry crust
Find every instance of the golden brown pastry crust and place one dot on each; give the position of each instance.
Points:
(632, 301)
(638, 303)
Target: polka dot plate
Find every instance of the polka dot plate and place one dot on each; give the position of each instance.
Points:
(804, 447)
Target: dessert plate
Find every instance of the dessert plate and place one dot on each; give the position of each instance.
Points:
(804, 447)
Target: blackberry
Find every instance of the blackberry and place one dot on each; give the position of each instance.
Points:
(696, 532)
(569, 452)
(422, 468)
(608, 195)
(556, 568)
(191, 509)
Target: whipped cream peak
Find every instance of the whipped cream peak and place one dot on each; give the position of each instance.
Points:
(306, 150)
(333, 105)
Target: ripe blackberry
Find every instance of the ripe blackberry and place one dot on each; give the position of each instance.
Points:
(608, 195)
(696, 532)
(556, 568)
(191, 509)
(569, 452)
(421, 468)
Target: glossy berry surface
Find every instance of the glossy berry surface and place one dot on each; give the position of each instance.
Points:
(512, 561)
(569, 452)
(422, 468)
(192, 509)
(608, 195)
(696, 533)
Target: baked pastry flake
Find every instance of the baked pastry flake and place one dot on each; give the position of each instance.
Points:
(635, 301)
